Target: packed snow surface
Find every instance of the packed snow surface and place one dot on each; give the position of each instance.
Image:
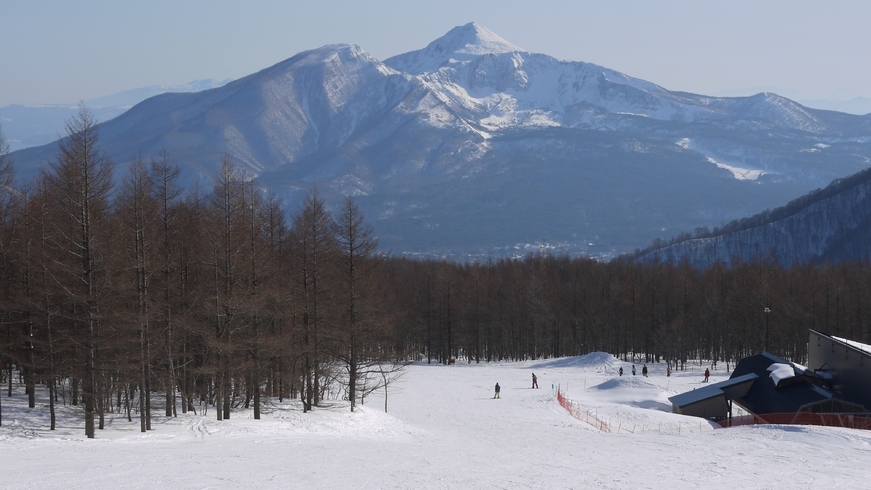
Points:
(444, 430)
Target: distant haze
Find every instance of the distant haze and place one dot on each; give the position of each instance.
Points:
(61, 52)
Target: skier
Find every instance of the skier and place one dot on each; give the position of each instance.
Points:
(668, 371)
(497, 391)
(707, 373)
(621, 371)
(644, 371)
(534, 381)
(633, 370)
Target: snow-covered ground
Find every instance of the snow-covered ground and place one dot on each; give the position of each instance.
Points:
(444, 430)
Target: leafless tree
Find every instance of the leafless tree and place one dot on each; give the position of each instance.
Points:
(164, 176)
(314, 250)
(79, 183)
(138, 215)
(226, 234)
(6, 208)
(361, 334)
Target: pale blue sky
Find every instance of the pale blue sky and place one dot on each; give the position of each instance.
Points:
(59, 51)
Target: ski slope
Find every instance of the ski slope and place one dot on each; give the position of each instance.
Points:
(444, 430)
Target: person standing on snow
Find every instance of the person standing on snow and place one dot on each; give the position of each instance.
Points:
(707, 373)
(633, 370)
(497, 391)
(668, 371)
(534, 381)
(621, 371)
(644, 371)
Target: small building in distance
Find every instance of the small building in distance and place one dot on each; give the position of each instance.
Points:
(773, 390)
(714, 401)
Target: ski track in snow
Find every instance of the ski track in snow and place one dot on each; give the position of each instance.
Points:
(444, 431)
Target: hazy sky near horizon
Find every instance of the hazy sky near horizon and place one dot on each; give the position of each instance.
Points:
(60, 51)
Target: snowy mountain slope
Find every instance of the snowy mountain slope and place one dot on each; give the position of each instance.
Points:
(474, 69)
(462, 43)
(310, 103)
(474, 146)
(831, 224)
(443, 430)
(129, 98)
(33, 125)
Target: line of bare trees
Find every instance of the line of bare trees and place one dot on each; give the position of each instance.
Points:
(112, 294)
(543, 306)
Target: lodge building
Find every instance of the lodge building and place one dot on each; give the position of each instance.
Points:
(837, 381)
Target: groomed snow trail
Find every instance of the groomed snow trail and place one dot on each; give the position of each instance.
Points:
(444, 431)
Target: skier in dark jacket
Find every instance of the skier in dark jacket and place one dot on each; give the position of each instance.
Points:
(621, 371)
(497, 391)
(534, 381)
(644, 371)
(633, 370)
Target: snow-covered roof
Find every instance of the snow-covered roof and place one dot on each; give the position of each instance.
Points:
(780, 372)
(711, 391)
(854, 344)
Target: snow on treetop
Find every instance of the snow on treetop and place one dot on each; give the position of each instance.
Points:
(461, 43)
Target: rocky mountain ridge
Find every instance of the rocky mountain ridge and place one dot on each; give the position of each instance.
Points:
(473, 147)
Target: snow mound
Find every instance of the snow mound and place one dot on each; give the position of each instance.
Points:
(632, 391)
(595, 360)
(623, 382)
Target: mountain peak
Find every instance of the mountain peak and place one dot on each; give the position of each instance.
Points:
(472, 39)
(461, 43)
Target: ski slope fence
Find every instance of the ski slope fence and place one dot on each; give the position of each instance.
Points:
(802, 418)
(585, 415)
(581, 414)
(844, 420)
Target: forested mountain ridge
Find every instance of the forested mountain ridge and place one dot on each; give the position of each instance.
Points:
(831, 224)
(475, 147)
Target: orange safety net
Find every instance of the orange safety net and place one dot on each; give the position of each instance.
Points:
(581, 413)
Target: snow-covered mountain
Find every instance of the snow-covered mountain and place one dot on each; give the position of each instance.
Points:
(472, 145)
(460, 44)
(474, 71)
